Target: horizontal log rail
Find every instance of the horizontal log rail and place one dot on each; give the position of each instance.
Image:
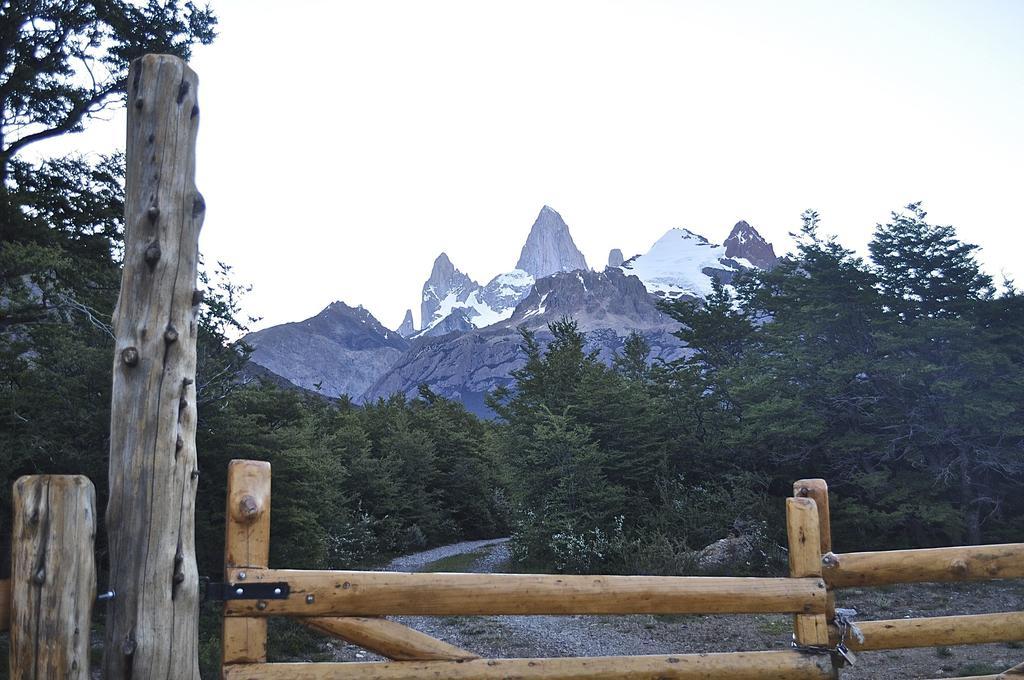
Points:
(735, 666)
(967, 563)
(973, 629)
(364, 593)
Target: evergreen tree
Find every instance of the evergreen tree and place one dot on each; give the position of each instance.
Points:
(923, 269)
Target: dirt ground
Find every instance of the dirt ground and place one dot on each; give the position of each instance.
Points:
(544, 636)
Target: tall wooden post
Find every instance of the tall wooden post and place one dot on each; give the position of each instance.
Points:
(53, 576)
(810, 630)
(151, 628)
(817, 491)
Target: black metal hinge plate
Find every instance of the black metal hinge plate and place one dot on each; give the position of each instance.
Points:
(247, 591)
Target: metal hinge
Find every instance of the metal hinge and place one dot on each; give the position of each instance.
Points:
(247, 591)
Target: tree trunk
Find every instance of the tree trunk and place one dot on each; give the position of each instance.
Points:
(969, 509)
(151, 628)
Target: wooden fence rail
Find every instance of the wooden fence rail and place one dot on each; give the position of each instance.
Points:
(368, 593)
(735, 666)
(969, 563)
(881, 568)
(350, 604)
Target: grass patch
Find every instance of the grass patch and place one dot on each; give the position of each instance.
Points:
(775, 625)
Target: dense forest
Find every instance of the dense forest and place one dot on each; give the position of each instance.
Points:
(898, 378)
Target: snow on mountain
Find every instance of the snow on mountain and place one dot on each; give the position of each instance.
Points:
(549, 248)
(682, 263)
(469, 341)
(676, 263)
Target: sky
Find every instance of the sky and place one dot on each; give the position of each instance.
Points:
(344, 145)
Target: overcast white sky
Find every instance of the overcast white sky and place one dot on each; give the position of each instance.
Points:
(343, 145)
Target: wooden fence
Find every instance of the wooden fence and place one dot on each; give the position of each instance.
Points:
(351, 604)
(47, 603)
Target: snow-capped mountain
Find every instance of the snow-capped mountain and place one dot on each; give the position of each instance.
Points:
(549, 248)
(682, 263)
(469, 341)
(606, 305)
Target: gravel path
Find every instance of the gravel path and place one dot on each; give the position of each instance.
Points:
(546, 636)
(417, 561)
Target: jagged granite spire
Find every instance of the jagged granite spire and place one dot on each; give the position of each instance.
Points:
(745, 242)
(549, 248)
(445, 280)
(408, 327)
(615, 257)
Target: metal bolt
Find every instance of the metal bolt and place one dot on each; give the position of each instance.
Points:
(261, 605)
(103, 597)
(277, 591)
(309, 599)
(238, 591)
(241, 576)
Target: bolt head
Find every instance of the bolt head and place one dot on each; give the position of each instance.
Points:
(261, 605)
(277, 591)
(239, 591)
(309, 599)
(241, 576)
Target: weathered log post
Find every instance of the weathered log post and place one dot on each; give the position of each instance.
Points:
(810, 630)
(817, 491)
(151, 628)
(53, 576)
(246, 545)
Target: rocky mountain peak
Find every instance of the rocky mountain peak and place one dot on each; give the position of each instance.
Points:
(408, 327)
(615, 257)
(341, 350)
(444, 275)
(744, 242)
(549, 248)
(445, 286)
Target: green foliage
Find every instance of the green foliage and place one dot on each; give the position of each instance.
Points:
(64, 62)
(900, 381)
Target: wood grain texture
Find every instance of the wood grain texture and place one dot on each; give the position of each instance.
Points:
(387, 638)
(817, 491)
(53, 577)
(968, 563)
(805, 561)
(789, 665)
(151, 629)
(940, 631)
(246, 544)
(367, 593)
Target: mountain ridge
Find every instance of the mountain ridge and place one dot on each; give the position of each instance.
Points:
(469, 339)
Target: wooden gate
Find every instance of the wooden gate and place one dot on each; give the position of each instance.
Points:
(351, 604)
